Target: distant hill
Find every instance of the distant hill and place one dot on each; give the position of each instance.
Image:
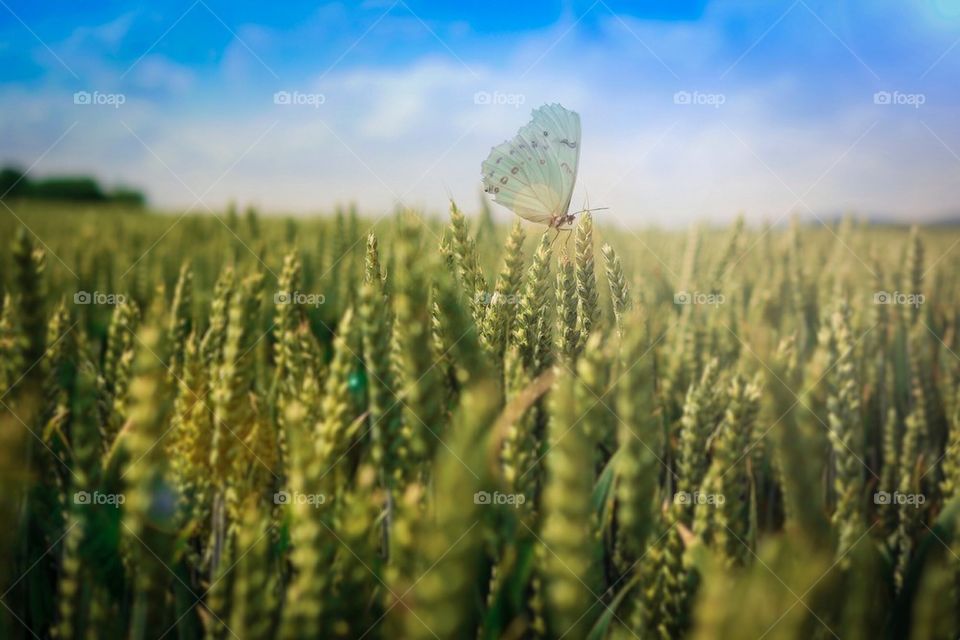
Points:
(888, 220)
(14, 184)
(946, 221)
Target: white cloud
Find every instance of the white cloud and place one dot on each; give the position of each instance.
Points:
(106, 35)
(158, 73)
(396, 104)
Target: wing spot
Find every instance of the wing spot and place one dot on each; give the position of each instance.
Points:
(504, 179)
(514, 170)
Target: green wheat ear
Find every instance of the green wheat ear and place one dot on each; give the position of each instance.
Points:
(501, 304)
(587, 295)
(118, 360)
(29, 265)
(403, 568)
(375, 330)
(288, 317)
(358, 563)
(59, 367)
(568, 333)
(189, 443)
(913, 282)
(77, 569)
(726, 526)
(843, 407)
(951, 457)
(702, 413)
(333, 432)
(915, 432)
(234, 419)
(453, 545)
(418, 380)
(442, 340)
(467, 262)
(13, 344)
(216, 332)
(181, 318)
(638, 437)
(593, 396)
(619, 292)
(519, 456)
(568, 530)
(148, 513)
(531, 334)
(255, 583)
(306, 607)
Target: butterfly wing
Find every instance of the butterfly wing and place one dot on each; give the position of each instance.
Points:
(507, 177)
(534, 173)
(560, 129)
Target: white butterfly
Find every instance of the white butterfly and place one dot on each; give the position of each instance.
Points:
(533, 174)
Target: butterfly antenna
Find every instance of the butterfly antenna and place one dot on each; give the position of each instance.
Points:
(557, 235)
(591, 210)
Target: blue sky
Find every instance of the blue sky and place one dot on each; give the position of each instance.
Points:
(783, 115)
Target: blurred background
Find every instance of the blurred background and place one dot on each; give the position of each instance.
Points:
(691, 110)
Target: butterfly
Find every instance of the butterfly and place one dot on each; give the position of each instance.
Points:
(533, 174)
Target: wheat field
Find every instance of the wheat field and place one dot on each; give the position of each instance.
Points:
(243, 426)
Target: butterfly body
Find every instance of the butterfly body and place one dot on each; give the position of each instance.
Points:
(562, 221)
(534, 173)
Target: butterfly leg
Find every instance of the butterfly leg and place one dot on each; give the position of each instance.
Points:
(557, 235)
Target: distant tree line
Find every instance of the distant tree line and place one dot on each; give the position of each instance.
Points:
(15, 184)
